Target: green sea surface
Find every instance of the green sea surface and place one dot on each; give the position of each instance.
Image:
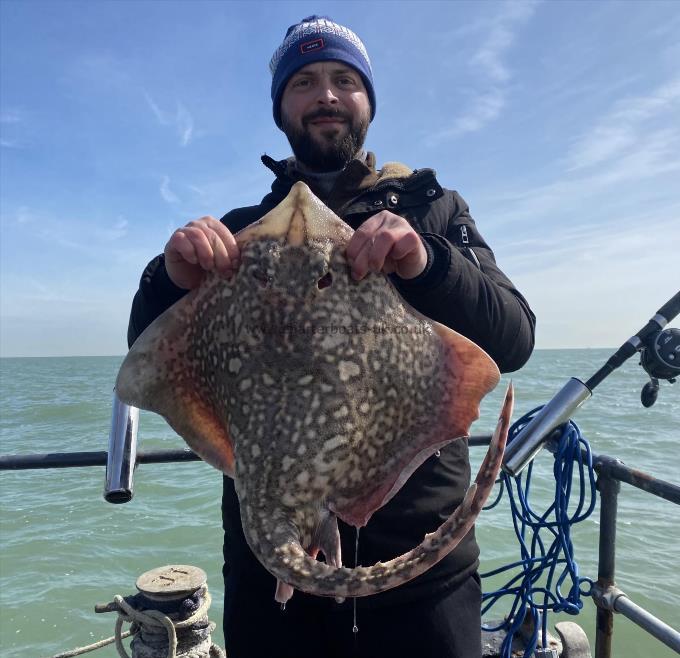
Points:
(63, 549)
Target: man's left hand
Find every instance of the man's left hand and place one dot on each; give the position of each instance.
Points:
(386, 243)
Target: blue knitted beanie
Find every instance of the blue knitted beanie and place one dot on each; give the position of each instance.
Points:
(316, 39)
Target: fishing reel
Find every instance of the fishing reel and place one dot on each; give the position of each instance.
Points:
(659, 350)
(660, 357)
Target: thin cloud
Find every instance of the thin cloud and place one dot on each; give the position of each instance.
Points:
(185, 124)
(630, 268)
(68, 232)
(570, 247)
(117, 230)
(542, 203)
(24, 215)
(635, 140)
(182, 121)
(9, 144)
(167, 194)
(58, 238)
(490, 58)
(631, 124)
(240, 185)
(490, 70)
(8, 119)
(99, 71)
(483, 109)
(10, 116)
(158, 113)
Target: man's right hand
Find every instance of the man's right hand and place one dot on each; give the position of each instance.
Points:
(201, 246)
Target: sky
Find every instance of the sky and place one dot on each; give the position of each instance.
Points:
(558, 122)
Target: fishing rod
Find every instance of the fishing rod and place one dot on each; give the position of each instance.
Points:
(659, 350)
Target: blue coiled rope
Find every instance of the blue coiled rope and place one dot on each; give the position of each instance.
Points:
(546, 565)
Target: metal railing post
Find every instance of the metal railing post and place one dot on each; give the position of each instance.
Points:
(609, 491)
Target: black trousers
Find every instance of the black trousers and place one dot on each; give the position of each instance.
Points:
(445, 626)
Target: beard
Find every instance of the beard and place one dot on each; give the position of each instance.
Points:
(332, 150)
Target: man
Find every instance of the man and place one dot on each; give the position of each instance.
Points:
(422, 235)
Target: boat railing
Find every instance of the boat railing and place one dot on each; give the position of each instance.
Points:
(610, 473)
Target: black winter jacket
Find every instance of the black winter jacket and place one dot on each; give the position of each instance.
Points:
(461, 287)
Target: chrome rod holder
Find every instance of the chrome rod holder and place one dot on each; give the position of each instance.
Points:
(122, 454)
(524, 447)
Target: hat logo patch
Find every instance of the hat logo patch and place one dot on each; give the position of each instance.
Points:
(311, 46)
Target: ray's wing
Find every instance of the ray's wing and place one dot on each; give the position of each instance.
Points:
(447, 399)
(467, 374)
(471, 374)
(161, 374)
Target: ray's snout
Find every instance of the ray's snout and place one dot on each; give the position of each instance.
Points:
(298, 220)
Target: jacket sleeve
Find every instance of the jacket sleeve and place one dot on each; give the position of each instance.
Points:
(156, 294)
(463, 288)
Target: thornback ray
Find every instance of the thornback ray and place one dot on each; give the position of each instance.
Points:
(320, 395)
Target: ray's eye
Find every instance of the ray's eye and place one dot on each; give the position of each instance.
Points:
(261, 277)
(325, 281)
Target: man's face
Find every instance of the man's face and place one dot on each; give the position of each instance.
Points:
(325, 114)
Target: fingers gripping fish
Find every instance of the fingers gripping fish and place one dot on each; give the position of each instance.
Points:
(320, 395)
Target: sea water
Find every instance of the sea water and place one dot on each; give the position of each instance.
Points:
(63, 549)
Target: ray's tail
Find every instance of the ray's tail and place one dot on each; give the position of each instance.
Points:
(287, 560)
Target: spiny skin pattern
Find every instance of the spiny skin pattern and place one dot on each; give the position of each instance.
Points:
(320, 389)
(361, 581)
(329, 391)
